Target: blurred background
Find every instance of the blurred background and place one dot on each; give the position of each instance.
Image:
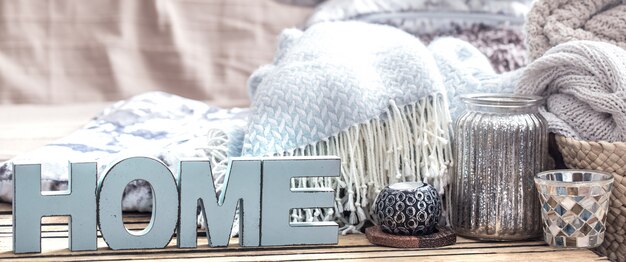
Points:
(74, 51)
(70, 51)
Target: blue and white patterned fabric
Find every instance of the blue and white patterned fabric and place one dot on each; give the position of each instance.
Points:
(159, 125)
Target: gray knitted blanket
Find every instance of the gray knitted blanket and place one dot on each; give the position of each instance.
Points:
(552, 22)
(585, 86)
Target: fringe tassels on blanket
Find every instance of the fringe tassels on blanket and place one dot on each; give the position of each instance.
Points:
(217, 150)
(408, 143)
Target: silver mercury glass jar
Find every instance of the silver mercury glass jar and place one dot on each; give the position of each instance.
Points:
(501, 142)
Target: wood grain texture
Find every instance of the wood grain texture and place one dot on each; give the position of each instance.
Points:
(350, 247)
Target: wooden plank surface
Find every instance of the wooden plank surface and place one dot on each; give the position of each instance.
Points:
(350, 247)
(26, 127)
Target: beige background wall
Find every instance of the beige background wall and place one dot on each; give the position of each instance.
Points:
(75, 51)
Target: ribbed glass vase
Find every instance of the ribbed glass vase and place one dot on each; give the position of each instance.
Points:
(500, 144)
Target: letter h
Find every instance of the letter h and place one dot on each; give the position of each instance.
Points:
(30, 204)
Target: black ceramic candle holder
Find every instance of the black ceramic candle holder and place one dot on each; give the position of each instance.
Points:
(408, 208)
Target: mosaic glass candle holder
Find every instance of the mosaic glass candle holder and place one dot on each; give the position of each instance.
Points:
(408, 208)
(574, 206)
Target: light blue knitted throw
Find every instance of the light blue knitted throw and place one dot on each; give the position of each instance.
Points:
(371, 94)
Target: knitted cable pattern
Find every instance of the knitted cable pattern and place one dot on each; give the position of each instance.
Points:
(585, 85)
(552, 22)
(371, 94)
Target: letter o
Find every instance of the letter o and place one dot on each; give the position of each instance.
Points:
(164, 218)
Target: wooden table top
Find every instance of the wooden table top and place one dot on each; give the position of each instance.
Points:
(352, 247)
(26, 127)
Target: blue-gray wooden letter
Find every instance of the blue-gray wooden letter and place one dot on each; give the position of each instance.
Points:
(111, 186)
(242, 187)
(30, 204)
(279, 198)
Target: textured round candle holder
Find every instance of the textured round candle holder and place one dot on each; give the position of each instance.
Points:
(574, 206)
(408, 208)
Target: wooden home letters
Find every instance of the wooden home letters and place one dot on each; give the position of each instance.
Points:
(258, 188)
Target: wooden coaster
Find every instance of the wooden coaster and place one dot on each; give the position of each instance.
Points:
(443, 237)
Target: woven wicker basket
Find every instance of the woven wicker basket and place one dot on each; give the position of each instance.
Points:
(609, 157)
